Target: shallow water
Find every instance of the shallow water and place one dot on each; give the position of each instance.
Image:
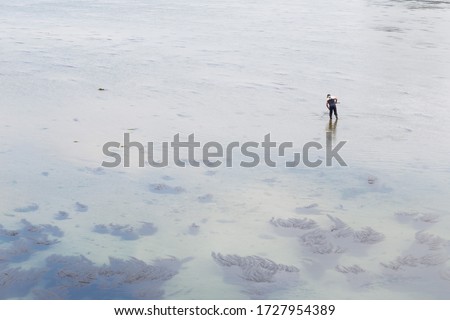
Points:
(226, 71)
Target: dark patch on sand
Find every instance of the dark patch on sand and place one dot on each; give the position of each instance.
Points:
(163, 188)
(309, 209)
(416, 217)
(302, 224)
(147, 229)
(126, 232)
(29, 208)
(79, 207)
(206, 198)
(62, 215)
(194, 229)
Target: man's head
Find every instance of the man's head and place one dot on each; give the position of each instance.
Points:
(328, 95)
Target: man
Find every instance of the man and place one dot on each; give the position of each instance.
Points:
(331, 105)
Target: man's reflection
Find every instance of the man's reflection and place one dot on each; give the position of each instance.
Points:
(331, 128)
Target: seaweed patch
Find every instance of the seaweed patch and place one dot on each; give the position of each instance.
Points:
(309, 209)
(79, 207)
(206, 198)
(126, 232)
(353, 269)
(29, 208)
(163, 188)
(22, 243)
(258, 276)
(62, 215)
(433, 242)
(427, 251)
(331, 240)
(17, 283)
(76, 277)
(302, 224)
(417, 217)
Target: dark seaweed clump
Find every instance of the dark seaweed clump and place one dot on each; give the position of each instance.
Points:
(295, 223)
(23, 242)
(62, 215)
(81, 207)
(76, 277)
(126, 232)
(29, 208)
(163, 188)
(258, 276)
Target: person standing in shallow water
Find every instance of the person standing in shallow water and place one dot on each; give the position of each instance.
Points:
(331, 105)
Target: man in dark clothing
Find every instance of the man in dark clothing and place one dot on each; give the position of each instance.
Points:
(331, 105)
